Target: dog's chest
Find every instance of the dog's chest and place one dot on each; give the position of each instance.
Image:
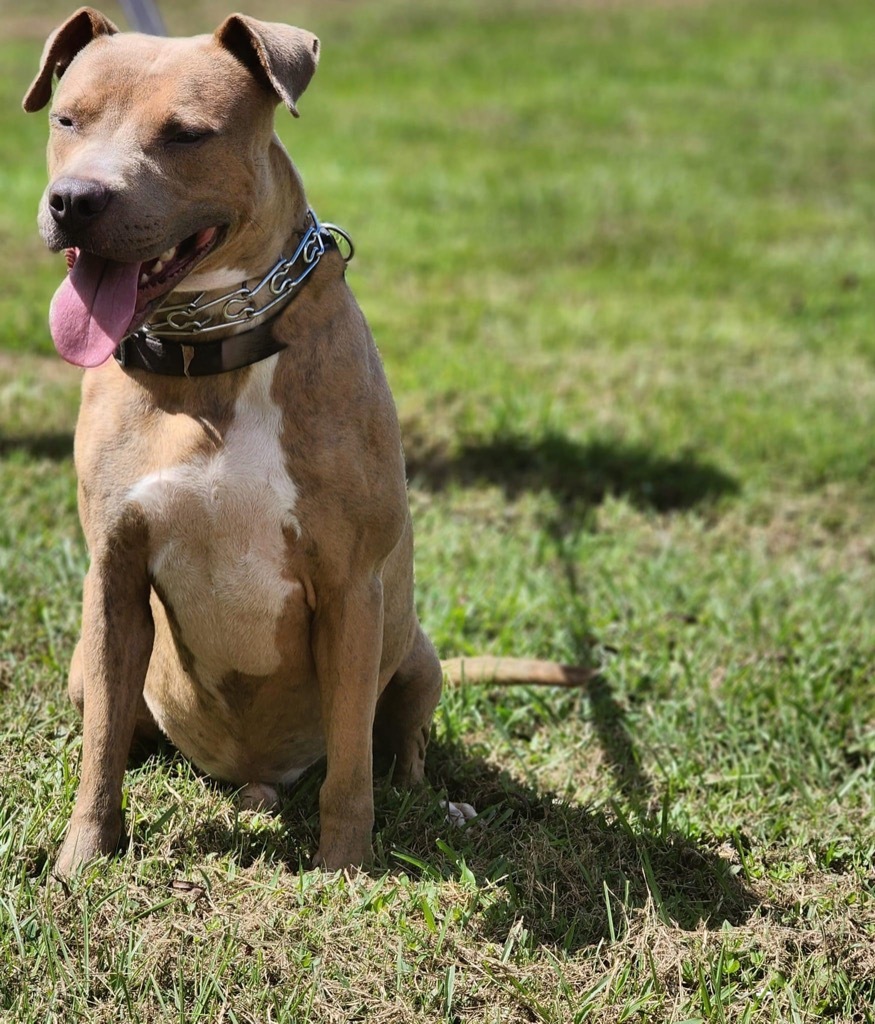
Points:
(219, 529)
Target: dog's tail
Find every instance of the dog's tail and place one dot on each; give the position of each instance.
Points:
(514, 671)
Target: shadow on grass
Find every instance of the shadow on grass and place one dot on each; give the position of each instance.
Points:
(572, 472)
(573, 876)
(56, 446)
(609, 722)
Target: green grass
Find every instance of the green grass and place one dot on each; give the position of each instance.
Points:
(620, 261)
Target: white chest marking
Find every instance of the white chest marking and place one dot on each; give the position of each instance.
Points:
(217, 544)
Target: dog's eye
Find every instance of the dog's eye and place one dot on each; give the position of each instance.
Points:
(187, 137)
(63, 120)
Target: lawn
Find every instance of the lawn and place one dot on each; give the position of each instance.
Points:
(619, 258)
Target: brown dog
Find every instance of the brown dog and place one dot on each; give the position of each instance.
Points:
(241, 483)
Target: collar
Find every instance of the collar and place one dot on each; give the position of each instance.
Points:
(203, 337)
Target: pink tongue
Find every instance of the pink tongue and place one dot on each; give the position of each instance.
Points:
(92, 309)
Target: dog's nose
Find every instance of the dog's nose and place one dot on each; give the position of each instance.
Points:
(75, 202)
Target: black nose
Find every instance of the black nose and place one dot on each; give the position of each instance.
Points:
(75, 202)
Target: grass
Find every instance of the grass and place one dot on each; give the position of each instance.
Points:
(620, 262)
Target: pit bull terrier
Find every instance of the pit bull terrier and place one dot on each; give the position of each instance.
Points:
(241, 483)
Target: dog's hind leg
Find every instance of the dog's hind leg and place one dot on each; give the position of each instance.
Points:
(404, 712)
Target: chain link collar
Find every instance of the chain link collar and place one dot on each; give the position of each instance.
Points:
(200, 320)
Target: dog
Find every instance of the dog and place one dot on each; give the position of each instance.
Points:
(242, 486)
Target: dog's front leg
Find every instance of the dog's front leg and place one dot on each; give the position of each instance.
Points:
(117, 634)
(347, 645)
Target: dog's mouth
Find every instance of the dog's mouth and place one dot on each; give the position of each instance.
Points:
(101, 301)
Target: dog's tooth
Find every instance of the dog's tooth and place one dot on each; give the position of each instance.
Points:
(159, 266)
(144, 278)
(166, 257)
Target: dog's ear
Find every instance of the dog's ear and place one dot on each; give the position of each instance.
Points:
(281, 58)
(60, 49)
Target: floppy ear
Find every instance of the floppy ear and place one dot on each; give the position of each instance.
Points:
(61, 47)
(281, 58)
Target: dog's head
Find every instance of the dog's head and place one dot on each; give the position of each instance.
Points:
(162, 164)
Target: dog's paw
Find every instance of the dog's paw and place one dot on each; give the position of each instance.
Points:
(349, 849)
(343, 859)
(258, 796)
(85, 842)
(459, 814)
